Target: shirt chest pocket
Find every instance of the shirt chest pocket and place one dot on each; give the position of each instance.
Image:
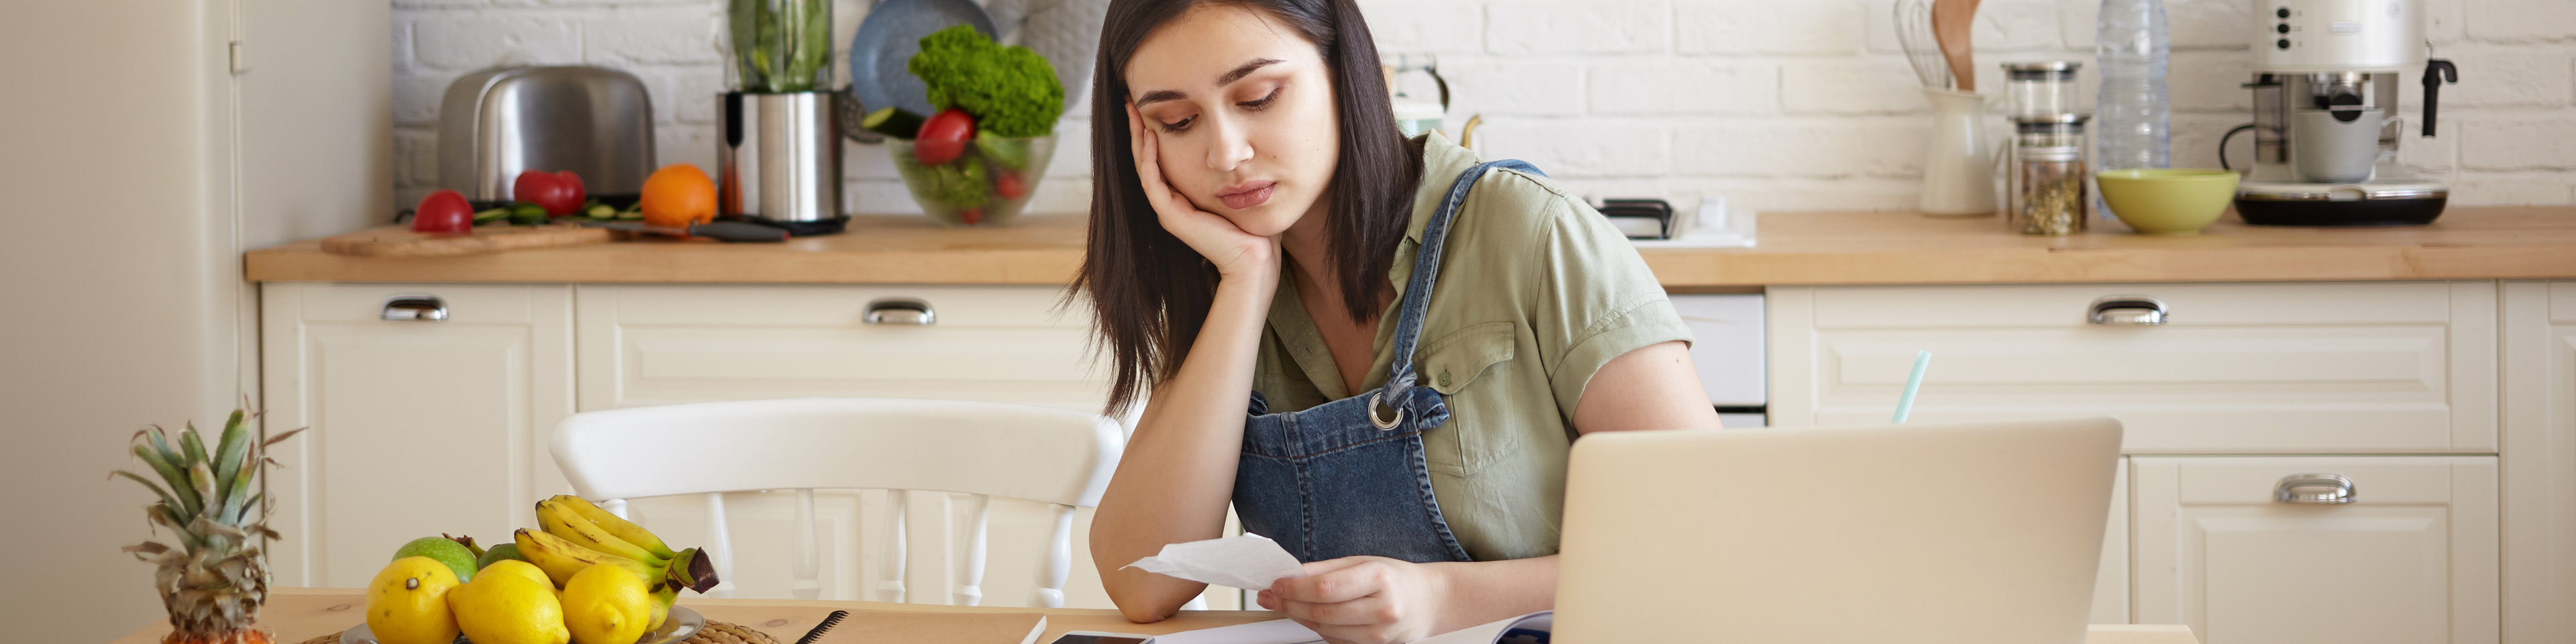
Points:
(1473, 368)
(1451, 363)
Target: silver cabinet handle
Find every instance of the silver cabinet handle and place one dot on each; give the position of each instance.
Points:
(2127, 310)
(415, 307)
(899, 310)
(2320, 489)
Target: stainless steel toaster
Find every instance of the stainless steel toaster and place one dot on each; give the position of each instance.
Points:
(593, 121)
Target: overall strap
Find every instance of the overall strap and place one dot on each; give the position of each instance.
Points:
(1426, 271)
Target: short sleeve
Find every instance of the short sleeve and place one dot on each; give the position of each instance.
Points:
(1593, 300)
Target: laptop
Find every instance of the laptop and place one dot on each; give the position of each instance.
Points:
(1924, 534)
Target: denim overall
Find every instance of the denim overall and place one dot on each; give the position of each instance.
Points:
(1347, 477)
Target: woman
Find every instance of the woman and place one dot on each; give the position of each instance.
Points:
(1417, 363)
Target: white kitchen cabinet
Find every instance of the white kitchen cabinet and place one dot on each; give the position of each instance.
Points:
(2411, 560)
(2539, 461)
(2403, 367)
(415, 428)
(661, 344)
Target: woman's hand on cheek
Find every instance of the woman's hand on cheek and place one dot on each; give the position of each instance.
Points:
(1224, 244)
(1361, 600)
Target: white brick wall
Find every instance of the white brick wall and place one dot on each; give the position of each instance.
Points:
(1806, 104)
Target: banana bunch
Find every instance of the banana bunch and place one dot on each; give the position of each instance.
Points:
(577, 535)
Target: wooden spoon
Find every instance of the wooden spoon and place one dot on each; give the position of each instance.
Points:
(1951, 21)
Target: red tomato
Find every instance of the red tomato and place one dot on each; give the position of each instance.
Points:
(580, 193)
(1010, 185)
(547, 191)
(943, 137)
(443, 211)
(972, 216)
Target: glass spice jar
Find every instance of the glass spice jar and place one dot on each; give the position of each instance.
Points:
(2040, 90)
(2047, 194)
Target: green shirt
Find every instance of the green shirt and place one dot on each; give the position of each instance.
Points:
(1536, 292)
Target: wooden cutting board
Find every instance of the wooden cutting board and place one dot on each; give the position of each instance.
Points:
(400, 241)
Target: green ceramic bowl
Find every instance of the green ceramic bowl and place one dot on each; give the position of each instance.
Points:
(2178, 201)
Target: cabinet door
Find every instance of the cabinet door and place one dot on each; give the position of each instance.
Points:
(2403, 367)
(2539, 461)
(2411, 560)
(416, 428)
(2111, 581)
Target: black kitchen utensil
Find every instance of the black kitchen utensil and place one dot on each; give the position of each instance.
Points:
(817, 633)
(731, 231)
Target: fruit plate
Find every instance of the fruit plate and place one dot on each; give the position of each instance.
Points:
(682, 624)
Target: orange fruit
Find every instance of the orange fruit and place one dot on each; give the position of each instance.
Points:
(679, 195)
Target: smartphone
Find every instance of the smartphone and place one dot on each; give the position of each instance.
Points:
(1097, 637)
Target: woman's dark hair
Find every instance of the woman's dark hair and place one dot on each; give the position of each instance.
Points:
(1150, 293)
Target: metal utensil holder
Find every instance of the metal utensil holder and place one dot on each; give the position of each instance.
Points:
(780, 161)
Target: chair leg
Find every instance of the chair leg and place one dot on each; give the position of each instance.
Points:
(1058, 561)
(809, 556)
(970, 584)
(719, 547)
(892, 588)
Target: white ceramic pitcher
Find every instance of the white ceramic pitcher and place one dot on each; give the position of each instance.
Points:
(1958, 169)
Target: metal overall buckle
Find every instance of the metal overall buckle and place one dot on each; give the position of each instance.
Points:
(1389, 423)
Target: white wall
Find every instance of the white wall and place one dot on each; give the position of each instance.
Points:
(1803, 104)
(129, 203)
(111, 120)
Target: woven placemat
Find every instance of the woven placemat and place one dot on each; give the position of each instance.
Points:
(725, 633)
(715, 633)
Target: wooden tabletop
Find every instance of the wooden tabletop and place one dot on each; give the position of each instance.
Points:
(1795, 248)
(298, 614)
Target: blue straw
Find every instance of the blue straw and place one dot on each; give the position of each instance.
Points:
(1914, 383)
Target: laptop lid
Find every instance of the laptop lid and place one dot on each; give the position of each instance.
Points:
(1972, 532)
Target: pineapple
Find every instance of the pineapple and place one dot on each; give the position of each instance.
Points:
(214, 581)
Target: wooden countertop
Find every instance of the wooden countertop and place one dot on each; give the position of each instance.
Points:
(298, 614)
(1795, 248)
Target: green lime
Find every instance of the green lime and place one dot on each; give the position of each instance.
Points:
(446, 551)
(497, 553)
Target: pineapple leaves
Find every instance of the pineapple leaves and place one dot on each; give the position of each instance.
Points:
(190, 446)
(188, 499)
(204, 478)
(229, 448)
(280, 438)
(166, 499)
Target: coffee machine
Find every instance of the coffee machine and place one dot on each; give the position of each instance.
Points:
(2326, 125)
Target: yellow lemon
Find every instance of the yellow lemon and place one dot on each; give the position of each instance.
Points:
(606, 604)
(508, 609)
(523, 569)
(407, 602)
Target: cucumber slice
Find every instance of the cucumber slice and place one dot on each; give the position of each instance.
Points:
(893, 121)
(493, 215)
(527, 214)
(600, 211)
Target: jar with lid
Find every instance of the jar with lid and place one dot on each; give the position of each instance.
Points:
(2041, 90)
(2046, 176)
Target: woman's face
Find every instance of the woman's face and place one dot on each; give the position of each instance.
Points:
(1243, 111)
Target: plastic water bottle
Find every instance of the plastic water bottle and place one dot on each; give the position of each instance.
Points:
(2132, 115)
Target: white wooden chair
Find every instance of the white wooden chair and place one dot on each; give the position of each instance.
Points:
(1059, 457)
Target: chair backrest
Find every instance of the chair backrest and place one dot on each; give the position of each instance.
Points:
(1059, 457)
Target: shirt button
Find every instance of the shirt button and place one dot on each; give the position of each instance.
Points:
(1444, 377)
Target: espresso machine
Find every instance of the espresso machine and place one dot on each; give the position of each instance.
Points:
(2326, 125)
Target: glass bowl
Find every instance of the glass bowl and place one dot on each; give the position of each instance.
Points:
(988, 185)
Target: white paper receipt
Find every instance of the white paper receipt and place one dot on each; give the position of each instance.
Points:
(1249, 561)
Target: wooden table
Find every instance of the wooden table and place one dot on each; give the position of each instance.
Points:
(1795, 248)
(298, 614)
